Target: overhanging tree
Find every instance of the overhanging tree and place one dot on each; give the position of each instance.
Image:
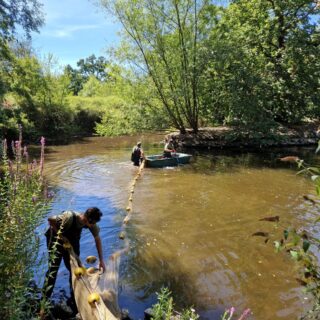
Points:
(272, 63)
(165, 39)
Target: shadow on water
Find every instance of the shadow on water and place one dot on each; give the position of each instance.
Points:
(140, 268)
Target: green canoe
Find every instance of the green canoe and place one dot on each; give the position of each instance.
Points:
(159, 161)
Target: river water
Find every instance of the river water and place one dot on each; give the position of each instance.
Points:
(192, 225)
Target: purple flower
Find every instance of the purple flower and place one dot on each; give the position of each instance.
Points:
(50, 195)
(25, 151)
(231, 311)
(245, 314)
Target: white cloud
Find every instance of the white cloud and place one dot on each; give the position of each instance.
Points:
(69, 31)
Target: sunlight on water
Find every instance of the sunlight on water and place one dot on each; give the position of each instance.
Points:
(192, 226)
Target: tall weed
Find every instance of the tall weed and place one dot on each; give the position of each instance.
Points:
(23, 203)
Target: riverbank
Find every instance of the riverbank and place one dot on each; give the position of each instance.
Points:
(233, 137)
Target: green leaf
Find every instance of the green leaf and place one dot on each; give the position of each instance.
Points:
(285, 234)
(294, 255)
(305, 245)
(314, 169)
(277, 245)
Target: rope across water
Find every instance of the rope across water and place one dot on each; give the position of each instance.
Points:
(129, 207)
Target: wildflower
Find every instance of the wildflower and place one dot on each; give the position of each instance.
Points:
(231, 311)
(245, 314)
(290, 159)
(228, 313)
(25, 151)
(50, 194)
(4, 147)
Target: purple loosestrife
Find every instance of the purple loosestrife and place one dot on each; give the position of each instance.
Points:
(50, 195)
(231, 312)
(245, 314)
(26, 154)
(13, 148)
(42, 141)
(18, 154)
(4, 148)
(10, 166)
(34, 165)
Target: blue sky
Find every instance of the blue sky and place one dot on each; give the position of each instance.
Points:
(74, 29)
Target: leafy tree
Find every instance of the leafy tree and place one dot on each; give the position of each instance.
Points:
(164, 41)
(23, 13)
(93, 66)
(75, 79)
(91, 88)
(41, 96)
(89, 67)
(265, 55)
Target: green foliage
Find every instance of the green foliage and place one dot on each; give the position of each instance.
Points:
(41, 96)
(164, 39)
(119, 106)
(115, 120)
(249, 63)
(263, 67)
(25, 14)
(22, 207)
(164, 309)
(302, 246)
(90, 67)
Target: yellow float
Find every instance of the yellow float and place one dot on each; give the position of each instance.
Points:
(93, 298)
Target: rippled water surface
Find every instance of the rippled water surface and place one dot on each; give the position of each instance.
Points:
(192, 226)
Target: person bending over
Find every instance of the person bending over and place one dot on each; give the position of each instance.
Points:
(71, 224)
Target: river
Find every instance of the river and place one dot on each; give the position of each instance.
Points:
(192, 225)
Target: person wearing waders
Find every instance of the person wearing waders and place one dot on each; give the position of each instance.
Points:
(71, 224)
(137, 154)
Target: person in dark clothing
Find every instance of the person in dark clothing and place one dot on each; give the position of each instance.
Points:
(137, 154)
(70, 223)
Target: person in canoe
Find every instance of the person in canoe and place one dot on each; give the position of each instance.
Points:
(70, 223)
(137, 154)
(168, 148)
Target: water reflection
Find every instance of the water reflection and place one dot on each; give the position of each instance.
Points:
(192, 226)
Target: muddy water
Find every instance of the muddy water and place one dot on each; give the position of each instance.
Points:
(192, 225)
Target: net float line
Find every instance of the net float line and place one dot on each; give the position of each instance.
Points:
(129, 208)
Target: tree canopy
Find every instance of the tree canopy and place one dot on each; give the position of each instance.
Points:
(252, 62)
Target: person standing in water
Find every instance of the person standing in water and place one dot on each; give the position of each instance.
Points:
(137, 154)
